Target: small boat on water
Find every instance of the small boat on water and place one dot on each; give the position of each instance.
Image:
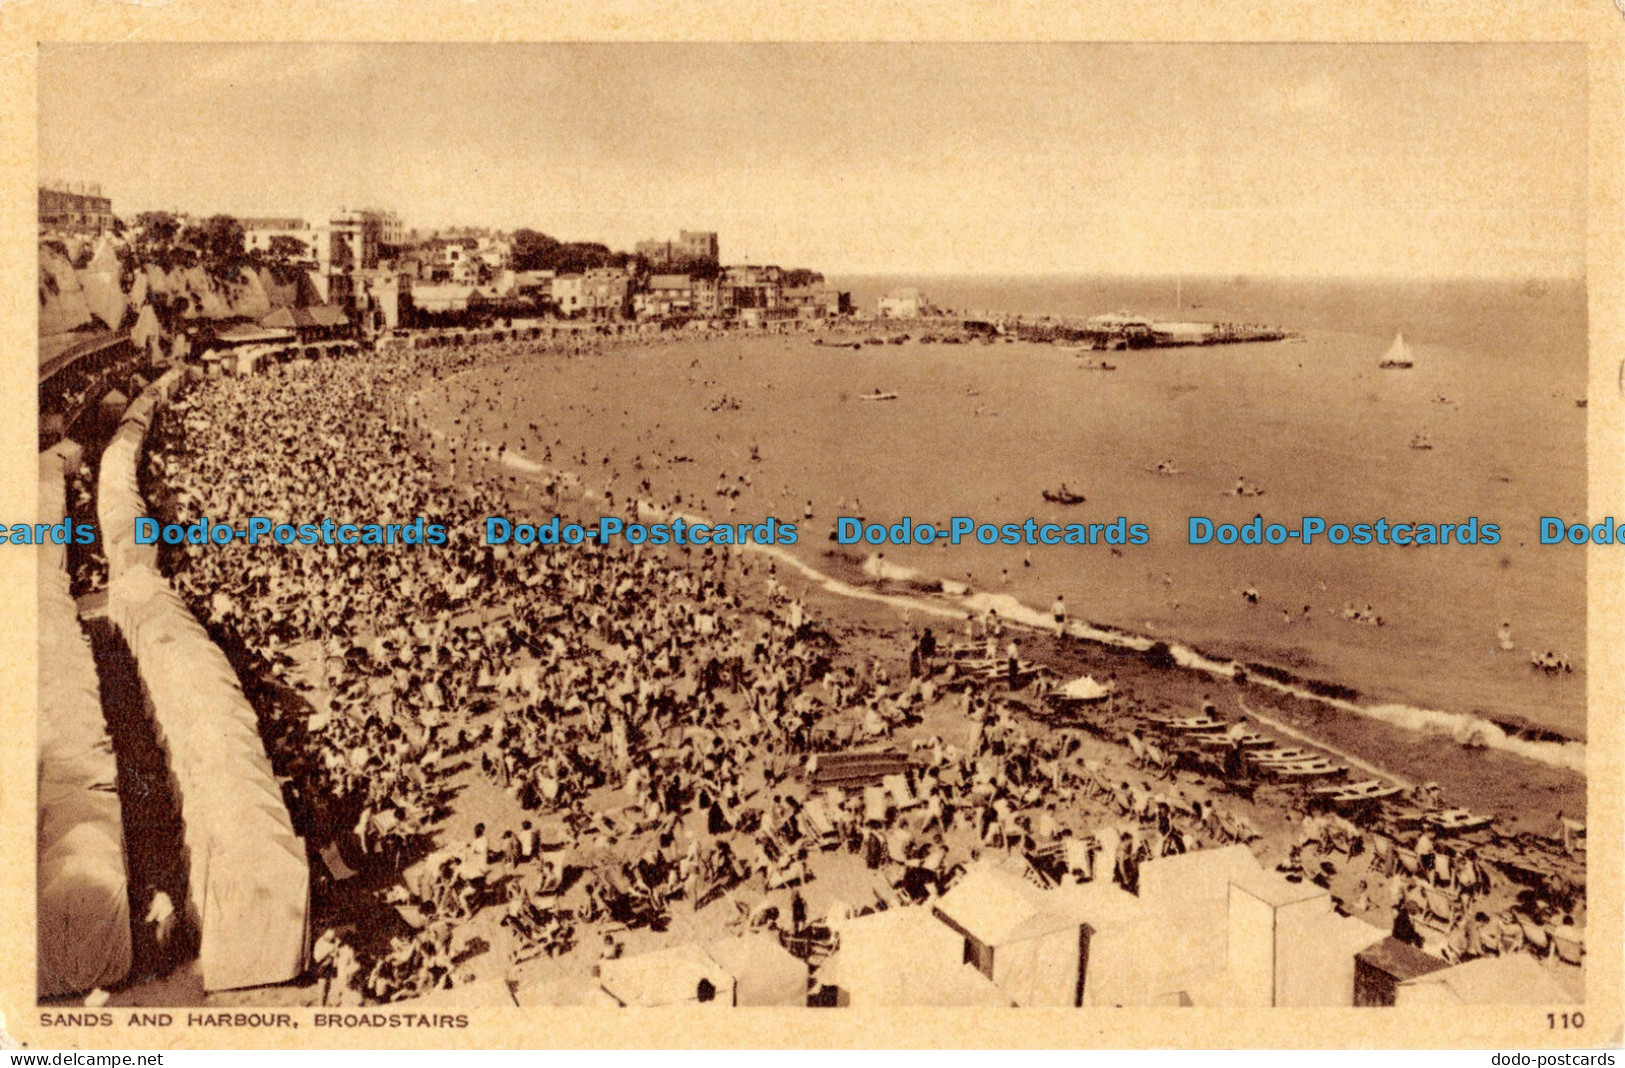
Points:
(877, 395)
(1580, 402)
(1420, 441)
(1398, 357)
(1064, 496)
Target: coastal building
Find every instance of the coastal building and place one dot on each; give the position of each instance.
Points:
(534, 285)
(747, 286)
(324, 322)
(692, 247)
(1121, 320)
(905, 303)
(665, 295)
(260, 233)
(74, 208)
(569, 294)
(454, 261)
(606, 293)
(818, 302)
(707, 297)
(378, 300)
(361, 231)
(437, 297)
(699, 245)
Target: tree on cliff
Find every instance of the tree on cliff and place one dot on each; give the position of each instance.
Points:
(536, 251)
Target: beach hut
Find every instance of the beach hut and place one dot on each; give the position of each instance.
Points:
(1514, 979)
(1187, 901)
(1228, 933)
(1028, 941)
(1379, 969)
(764, 972)
(906, 956)
(551, 984)
(1288, 947)
(683, 975)
(1116, 951)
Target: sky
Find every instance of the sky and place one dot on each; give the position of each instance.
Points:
(1335, 160)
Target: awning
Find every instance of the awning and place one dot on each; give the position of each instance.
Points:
(319, 316)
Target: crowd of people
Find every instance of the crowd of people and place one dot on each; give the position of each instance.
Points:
(652, 716)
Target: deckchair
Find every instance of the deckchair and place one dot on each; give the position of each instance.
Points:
(1536, 938)
(1440, 904)
(1382, 855)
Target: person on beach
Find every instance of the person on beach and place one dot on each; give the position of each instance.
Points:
(1404, 929)
(1058, 612)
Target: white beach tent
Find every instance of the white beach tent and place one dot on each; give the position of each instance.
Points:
(83, 910)
(1118, 966)
(1288, 947)
(681, 975)
(764, 972)
(1187, 897)
(1017, 935)
(249, 883)
(906, 956)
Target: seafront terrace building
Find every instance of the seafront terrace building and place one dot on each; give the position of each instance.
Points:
(74, 208)
(746, 286)
(664, 295)
(905, 303)
(817, 302)
(691, 247)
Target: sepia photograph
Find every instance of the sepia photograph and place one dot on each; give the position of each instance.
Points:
(828, 525)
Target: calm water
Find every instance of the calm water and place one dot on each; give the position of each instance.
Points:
(982, 430)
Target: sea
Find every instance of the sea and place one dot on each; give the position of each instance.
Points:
(981, 430)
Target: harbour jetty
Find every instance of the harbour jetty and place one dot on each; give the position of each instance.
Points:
(1115, 331)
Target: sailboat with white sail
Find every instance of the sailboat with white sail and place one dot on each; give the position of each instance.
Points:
(1398, 357)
